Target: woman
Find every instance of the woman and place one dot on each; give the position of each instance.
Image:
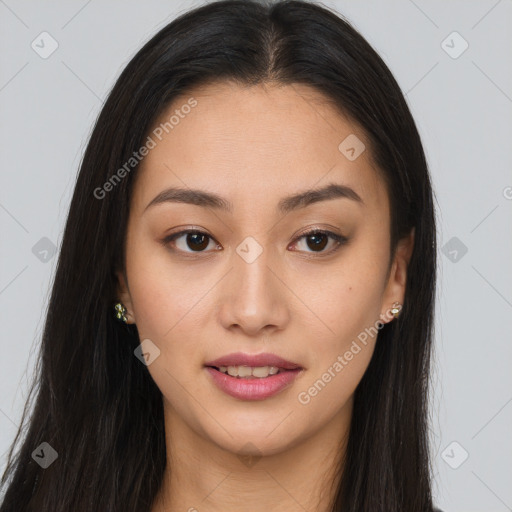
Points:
(242, 312)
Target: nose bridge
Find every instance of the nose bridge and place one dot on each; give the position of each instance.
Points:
(252, 268)
(254, 299)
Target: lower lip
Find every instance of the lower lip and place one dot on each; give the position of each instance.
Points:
(253, 389)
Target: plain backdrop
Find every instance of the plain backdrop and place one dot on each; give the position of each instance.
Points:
(453, 62)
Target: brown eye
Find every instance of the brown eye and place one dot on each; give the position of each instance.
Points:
(317, 240)
(197, 241)
(193, 241)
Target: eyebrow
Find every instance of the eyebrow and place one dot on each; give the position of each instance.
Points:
(286, 204)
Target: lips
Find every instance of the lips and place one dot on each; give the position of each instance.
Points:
(253, 360)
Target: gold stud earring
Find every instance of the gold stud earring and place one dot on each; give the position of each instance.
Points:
(120, 312)
(396, 308)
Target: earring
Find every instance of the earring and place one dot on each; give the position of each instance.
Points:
(396, 308)
(120, 312)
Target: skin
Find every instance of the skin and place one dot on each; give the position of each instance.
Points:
(253, 146)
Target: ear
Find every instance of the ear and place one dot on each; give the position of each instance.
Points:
(123, 295)
(395, 287)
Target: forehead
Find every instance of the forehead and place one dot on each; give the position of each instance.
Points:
(256, 144)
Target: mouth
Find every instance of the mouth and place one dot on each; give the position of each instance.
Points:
(252, 377)
(248, 372)
(258, 362)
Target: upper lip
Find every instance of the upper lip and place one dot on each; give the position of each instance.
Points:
(253, 360)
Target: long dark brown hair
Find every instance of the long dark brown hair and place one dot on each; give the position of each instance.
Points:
(95, 404)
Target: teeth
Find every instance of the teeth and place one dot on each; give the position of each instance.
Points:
(248, 371)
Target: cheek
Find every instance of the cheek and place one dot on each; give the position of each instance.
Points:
(168, 311)
(341, 355)
(349, 306)
(163, 296)
(346, 299)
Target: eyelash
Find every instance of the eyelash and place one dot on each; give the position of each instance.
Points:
(339, 239)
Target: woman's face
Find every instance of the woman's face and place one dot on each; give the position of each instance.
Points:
(251, 282)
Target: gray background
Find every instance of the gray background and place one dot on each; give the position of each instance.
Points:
(462, 103)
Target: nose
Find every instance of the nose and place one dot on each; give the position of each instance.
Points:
(254, 296)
